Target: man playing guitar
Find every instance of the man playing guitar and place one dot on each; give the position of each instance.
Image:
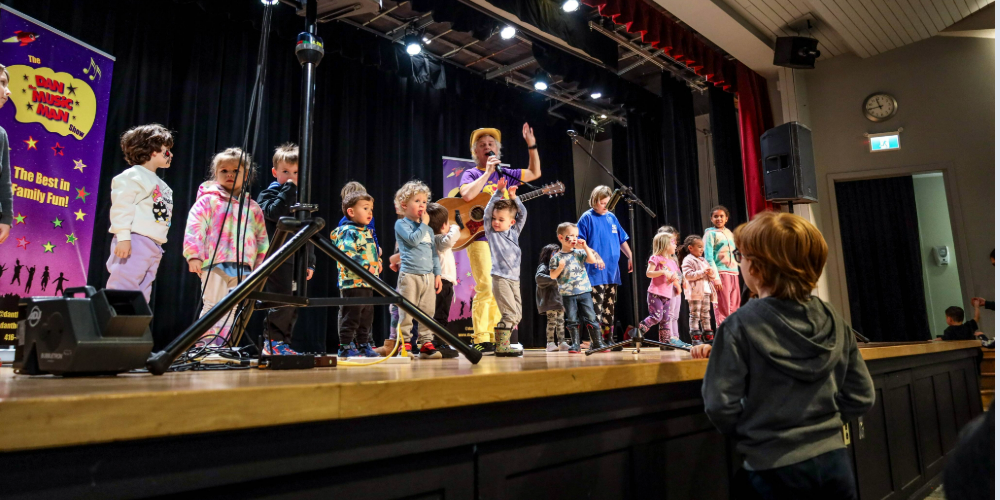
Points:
(484, 179)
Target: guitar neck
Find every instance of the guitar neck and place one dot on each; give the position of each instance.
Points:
(532, 195)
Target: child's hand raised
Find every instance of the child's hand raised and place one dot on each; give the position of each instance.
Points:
(581, 243)
(502, 184)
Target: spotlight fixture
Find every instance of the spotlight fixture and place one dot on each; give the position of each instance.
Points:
(268, 2)
(595, 94)
(604, 116)
(541, 80)
(570, 5)
(508, 32)
(412, 44)
(426, 40)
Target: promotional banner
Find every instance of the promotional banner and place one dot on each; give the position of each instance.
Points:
(55, 122)
(460, 317)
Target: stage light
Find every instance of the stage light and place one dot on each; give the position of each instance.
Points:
(268, 2)
(412, 44)
(508, 32)
(570, 5)
(541, 80)
(604, 116)
(426, 40)
(595, 94)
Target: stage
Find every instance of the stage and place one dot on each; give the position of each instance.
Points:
(622, 425)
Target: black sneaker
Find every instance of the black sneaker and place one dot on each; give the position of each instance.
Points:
(447, 351)
(487, 348)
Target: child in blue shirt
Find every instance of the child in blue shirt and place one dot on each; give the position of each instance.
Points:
(566, 267)
(504, 222)
(420, 269)
(601, 229)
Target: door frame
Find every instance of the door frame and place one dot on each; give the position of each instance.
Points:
(954, 216)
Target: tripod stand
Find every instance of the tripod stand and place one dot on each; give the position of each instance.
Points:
(629, 196)
(305, 234)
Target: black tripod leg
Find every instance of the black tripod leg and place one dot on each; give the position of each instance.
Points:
(326, 246)
(159, 362)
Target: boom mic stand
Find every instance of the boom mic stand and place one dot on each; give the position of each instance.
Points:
(305, 231)
(629, 196)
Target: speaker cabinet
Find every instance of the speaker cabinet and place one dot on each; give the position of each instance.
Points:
(789, 170)
(797, 52)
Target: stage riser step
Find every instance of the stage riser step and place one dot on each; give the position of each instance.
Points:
(987, 381)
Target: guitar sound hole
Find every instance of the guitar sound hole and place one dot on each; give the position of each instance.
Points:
(476, 213)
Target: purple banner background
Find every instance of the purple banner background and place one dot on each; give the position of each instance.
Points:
(45, 234)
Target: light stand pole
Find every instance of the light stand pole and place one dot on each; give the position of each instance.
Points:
(629, 195)
(309, 51)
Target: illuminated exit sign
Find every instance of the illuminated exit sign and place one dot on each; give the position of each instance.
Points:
(887, 141)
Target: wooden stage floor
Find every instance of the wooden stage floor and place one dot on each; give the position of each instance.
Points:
(47, 411)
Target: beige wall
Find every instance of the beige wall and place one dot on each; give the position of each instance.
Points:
(945, 90)
(942, 287)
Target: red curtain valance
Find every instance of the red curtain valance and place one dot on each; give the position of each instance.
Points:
(662, 32)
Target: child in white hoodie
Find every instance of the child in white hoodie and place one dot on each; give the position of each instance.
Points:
(141, 209)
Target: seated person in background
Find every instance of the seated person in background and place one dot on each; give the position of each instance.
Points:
(957, 330)
(785, 373)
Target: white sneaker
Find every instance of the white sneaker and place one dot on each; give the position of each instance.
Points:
(563, 346)
(551, 346)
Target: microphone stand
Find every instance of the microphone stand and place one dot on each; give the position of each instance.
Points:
(629, 196)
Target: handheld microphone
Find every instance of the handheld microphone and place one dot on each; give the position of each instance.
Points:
(490, 154)
(572, 133)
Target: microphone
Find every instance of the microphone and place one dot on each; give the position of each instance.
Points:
(490, 154)
(500, 170)
(572, 133)
(615, 197)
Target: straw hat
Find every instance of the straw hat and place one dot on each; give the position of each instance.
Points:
(479, 132)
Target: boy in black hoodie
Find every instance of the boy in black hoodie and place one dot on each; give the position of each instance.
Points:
(276, 202)
(785, 373)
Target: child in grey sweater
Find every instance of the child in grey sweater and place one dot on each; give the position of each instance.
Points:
(504, 221)
(549, 302)
(785, 374)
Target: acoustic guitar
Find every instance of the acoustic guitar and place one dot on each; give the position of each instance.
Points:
(468, 215)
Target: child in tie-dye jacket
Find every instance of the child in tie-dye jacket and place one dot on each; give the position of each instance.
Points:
(222, 261)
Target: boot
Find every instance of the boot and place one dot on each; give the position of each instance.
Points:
(696, 337)
(574, 339)
(502, 332)
(385, 348)
(616, 328)
(595, 338)
(708, 337)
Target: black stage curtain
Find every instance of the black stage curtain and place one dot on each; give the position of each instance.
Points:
(726, 152)
(190, 66)
(657, 156)
(881, 245)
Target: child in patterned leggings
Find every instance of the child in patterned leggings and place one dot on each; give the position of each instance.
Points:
(701, 293)
(549, 302)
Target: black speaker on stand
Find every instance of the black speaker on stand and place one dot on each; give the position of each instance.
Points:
(789, 170)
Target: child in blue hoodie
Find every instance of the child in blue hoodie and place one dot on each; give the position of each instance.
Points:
(785, 374)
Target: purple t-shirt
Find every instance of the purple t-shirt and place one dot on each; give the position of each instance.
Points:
(473, 174)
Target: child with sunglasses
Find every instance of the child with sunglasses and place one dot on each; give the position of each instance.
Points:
(141, 208)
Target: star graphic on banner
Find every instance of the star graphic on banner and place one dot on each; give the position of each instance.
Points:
(31, 143)
(78, 165)
(77, 103)
(29, 106)
(57, 150)
(24, 91)
(19, 219)
(48, 247)
(25, 77)
(71, 238)
(57, 223)
(79, 214)
(82, 194)
(71, 89)
(23, 242)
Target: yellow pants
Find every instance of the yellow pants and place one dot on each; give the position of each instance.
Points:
(485, 313)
